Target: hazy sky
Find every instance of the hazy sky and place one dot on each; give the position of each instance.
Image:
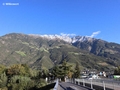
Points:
(95, 18)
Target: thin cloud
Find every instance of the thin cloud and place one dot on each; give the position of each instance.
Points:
(95, 34)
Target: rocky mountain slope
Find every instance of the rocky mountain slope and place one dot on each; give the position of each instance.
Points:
(48, 50)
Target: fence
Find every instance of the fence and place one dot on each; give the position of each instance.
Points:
(56, 85)
(100, 84)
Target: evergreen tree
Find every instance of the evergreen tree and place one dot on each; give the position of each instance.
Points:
(117, 71)
(77, 71)
(61, 71)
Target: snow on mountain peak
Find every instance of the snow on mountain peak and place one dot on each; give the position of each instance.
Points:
(70, 38)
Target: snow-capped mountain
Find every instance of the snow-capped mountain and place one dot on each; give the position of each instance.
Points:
(81, 39)
(66, 38)
(47, 50)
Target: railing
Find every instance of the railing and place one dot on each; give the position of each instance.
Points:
(56, 85)
(104, 84)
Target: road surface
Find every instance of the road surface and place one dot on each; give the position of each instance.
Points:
(68, 86)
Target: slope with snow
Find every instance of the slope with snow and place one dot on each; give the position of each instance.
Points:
(66, 38)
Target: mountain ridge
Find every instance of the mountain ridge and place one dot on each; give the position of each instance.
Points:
(66, 38)
(42, 52)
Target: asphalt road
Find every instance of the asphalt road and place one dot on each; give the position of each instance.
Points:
(68, 86)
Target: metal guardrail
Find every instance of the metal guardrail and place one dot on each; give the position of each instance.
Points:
(114, 85)
(56, 85)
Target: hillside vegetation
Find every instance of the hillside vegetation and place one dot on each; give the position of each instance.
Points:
(39, 52)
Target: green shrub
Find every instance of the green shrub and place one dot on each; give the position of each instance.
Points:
(41, 83)
(18, 82)
(3, 80)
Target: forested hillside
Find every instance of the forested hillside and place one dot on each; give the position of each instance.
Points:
(39, 52)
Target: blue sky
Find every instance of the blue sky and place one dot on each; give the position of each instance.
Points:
(95, 18)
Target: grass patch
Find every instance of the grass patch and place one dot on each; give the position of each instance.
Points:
(25, 43)
(43, 49)
(103, 64)
(20, 53)
(74, 53)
